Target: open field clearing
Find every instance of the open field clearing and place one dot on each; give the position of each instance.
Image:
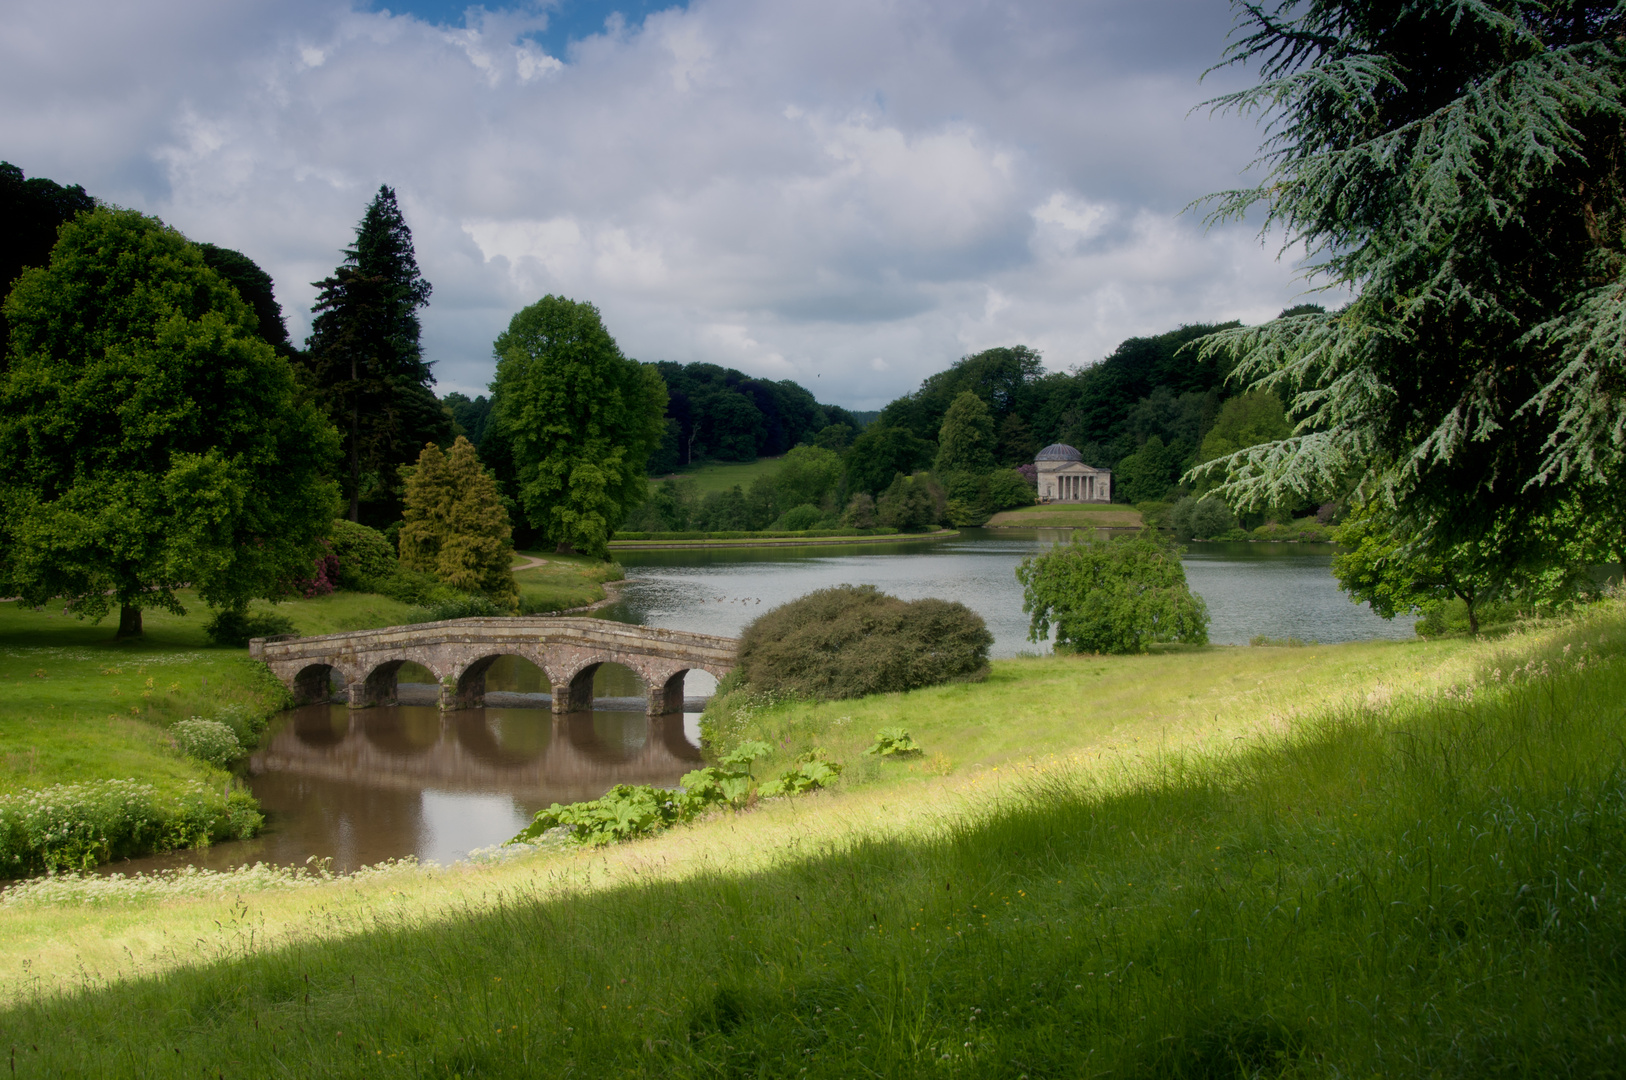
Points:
(720, 476)
(1370, 859)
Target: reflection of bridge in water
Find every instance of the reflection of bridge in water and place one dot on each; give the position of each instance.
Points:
(459, 652)
(523, 752)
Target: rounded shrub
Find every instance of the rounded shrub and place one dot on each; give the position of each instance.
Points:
(233, 628)
(853, 640)
(365, 555)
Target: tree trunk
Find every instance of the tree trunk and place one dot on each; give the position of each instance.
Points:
(564, 548)
(129, 621)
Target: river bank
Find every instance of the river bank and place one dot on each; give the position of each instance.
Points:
(778, 542)
(1149, 903)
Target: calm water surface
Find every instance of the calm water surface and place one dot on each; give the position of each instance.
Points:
(359, 787)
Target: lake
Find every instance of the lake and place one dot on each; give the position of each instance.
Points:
(361, 786)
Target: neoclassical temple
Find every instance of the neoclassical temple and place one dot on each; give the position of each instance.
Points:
(1063, 477)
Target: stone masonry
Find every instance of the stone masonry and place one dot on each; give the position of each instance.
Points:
(458, 652)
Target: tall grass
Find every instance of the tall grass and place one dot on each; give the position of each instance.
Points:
(1403, 887)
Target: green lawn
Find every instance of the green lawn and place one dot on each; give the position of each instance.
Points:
(562, 581)
(1068, 516)
(1370, 860)
(720, 476)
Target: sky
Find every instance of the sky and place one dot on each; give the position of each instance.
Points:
(848, 193)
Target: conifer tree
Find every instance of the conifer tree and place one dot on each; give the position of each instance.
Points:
(365, 358)
(966, 439)
(455, 526)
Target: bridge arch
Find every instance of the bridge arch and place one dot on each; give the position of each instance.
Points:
(453, 651)
(314, 682)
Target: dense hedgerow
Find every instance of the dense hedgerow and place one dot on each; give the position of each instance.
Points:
(853, 640)
(77, 826)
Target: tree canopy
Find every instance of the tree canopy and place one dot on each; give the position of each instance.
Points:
(149, 438)
(1119, 595)
(454, 525)
(31, 211)
(1456, 166)
(366, 360)
(578, 419)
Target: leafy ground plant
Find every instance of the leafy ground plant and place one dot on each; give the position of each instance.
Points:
(892, 742)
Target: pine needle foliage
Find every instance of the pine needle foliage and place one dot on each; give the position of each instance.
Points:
(455, 526)
(1456, 164)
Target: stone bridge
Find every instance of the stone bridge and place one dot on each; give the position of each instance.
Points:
(459, 652)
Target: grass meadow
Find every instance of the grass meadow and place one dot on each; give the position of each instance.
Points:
(1397, 860)
(562, 581)
(722, 475)
(1068, 516)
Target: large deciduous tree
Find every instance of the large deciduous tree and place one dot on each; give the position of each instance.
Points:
(454, 525)
(149, 438)
(365, 358)
(1457, 166)
(578, 419)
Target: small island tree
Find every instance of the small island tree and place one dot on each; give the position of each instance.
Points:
(149, 438)
(1112, 596)
(455, 526)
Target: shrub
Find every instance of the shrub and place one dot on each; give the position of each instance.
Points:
(798, 518)
(965, 515)
(912, 504)
(76, 826)
(364, 554)
(456, 607)
(892, 742)
(1112, 596)
(1006, 489)
(206, 740)
(234, 627)
(852, 640)
(860, 513)
(1201, 519)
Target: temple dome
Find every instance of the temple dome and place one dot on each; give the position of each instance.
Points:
(1059, 452)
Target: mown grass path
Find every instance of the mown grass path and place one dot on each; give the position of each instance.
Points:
(1410, 866)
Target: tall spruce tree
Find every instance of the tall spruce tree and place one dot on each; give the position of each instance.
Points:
(365, 355)
(1457, 166)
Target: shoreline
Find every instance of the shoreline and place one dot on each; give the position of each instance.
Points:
(816, 541)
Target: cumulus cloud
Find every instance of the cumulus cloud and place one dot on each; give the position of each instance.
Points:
(823, 190)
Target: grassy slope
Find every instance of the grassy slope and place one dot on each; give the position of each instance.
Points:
(720, 476)
(1057, 516)
(563, 581)
(1397, 889)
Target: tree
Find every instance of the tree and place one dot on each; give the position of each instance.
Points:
(1457, 167)
(255, 287)
(149, 438)
(580, 421)
(807, 475)
(1016, 443)
(1148, 473)
(965, 442)
(1378, 568)
(1112, 596)
(880, 453)
(365, 357)
(31, 211)
(454, 525)
(911, 504)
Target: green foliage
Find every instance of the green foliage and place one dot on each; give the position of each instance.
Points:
(455, 527)
(717, 413)
(799, 518)
(32, 211)
(912, 504)
(628, 811)
(893, 742)
(1148, 473)
(1111, 596)
(254, 285)
(365, 357)
(1247, 420)
(207, 740)
(1003, 378)
(579, 419)
(77, 826)
(849, 641)
(965, 440)
(881, 453)
(1455, 166)
(458, 607)
(1202, 518)
(147, 435)
(364, 554)
(806, 475)
(232, 627)
(860, 512)
(812, 771)
(1005, 489)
